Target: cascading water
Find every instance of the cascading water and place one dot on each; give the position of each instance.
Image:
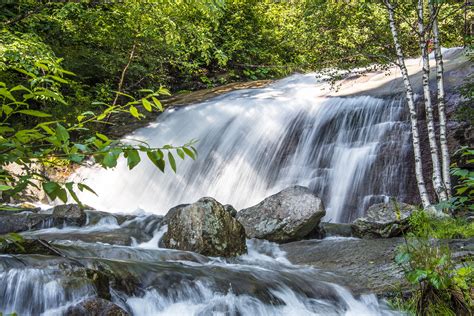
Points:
(351, 151)
(153, 281)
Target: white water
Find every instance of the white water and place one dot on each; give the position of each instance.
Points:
(253, 143)
(194, 287)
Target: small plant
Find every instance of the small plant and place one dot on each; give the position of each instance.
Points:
(422, 224)
(464, 190)
(443, 287)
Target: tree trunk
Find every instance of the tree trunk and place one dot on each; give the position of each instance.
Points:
(437, 178)
(445, 158)
(425, 199)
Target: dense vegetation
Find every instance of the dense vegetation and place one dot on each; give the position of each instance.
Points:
(67, 67)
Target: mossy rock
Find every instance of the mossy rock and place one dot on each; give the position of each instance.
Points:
(205, 227)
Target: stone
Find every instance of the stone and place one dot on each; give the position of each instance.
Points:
(96, 307)
(384, 220)
(337, 229)
(14, 222)
(289, 215)
(29, 246)
(204, 227)
(232, 211)
(69, 215)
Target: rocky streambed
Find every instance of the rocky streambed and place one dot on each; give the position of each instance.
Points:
(201, 259)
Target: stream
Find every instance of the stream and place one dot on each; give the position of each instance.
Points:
(158, 281)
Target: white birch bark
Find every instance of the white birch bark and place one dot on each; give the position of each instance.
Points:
(437, 178)
(445, 158)
(425, 199)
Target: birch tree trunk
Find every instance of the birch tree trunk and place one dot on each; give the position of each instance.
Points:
(425, 199)
(437, 178)
(445, 158)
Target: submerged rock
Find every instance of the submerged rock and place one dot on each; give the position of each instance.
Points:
(289, 215)
(204, 227)
(69, 214)
(96, 307)
(337, 229)
(384, 220)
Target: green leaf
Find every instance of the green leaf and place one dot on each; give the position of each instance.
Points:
(180, 153)
(156, 157)
(4, 92)
(133, 158)
(61, 133)
(147, 105)
(5, 187)
(189, 152)
(157, 104)
(62, 195)
(50, 187)
(6, 129)
(69, 187)
(172, 161)
(34, 113)
(7, 109)
(83, 187)
(110, 160)
(102, 136)
(134, 112)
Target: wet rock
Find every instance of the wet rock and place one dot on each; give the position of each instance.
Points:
(363, 265)
(337, 230)
(100, 280)
(289, 215)
(69, 215)
(14, 222)
(120, 236)
(29, 246)
(232, 211)
(96, 307)
(204, 227)
(384, 220)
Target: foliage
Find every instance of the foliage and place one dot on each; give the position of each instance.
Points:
(179, 42)
(442, 285)
(51, 116)
(422, 224)
(464, 189)
(41, 136)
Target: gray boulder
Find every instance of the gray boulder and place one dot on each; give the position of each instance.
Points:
(384, 220)
(205, 227)
(289, 215)
(15, 222)
(69, 215)
(96, 307)
(29, 219)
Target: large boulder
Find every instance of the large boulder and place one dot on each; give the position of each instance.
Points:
(69, 215)
(384, 220)
(289, 215)
(205, 227)
(96, 307)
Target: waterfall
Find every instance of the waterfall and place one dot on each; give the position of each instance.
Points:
(351, 151)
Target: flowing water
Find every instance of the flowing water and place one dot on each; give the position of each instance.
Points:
(149, 280)
(351, 151)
